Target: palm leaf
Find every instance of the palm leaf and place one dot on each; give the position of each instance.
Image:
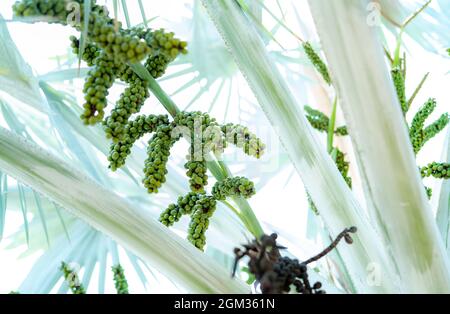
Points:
(329, 191)
(16, 77)
(112, 215)
(394, 191)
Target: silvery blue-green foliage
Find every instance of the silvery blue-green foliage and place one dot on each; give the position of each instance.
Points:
(86, 249)
(16, 76)
(207, 61)
(210, 62)
(431, 28)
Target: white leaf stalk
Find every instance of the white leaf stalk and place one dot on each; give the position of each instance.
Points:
(443, 200)
(131, 227)
(393, 186)
(331, 195)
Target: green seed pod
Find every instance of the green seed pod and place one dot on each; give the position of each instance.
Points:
(72, 279)
(184, 206)
(133, 131)
(196, 171)
(235, 186)
(317, 62)
(429, 192)
(399, 84)
(130, 102)
(120, 281)
(119, 44)
(242, 137)
(440, 170)
(158, 152)
(205, 134)
(343, 166)
(420, 135)
(202, 212)
(320, 121)
(90, 53)
(97, 83)
(53, 10)
(436, 127)
(166, 43)
(157, 64)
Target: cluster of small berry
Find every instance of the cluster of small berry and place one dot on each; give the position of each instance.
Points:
(201, 207)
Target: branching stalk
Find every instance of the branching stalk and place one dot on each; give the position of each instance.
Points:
(246, 213)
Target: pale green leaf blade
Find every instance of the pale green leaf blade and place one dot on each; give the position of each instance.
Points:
(16, 76)
(393, 186)
(130, 225)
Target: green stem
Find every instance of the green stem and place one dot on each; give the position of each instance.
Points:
(125, 12)
(144, 18)
(156, 89)
(246, 213)
(233, 209)
(331, 125)
(219, 170)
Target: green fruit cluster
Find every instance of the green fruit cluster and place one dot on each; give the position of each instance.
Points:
(202, 206)
(203, 211)
(109, 50)
(196, 125)
(196, 121)
(343, 167)
(165, 48)
(108, 35)
(419, 134)
(90, 52)
(157, 65)
(133, 131)
(158, 152)
(72, 279)
(241, 136)
(440, 170)
(204, 134)
(316, 61)
(184, 206)
(49, 8)
(130, 102)
(165, 43)
(196, 172)
(98, 81)
(120, 282)
(399, 83)
(429, 192)
(235, 186)
(320, 121)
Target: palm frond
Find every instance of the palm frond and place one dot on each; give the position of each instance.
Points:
(112, 215)
(16, 77)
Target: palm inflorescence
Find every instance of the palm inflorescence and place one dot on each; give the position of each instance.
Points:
(110, 50)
